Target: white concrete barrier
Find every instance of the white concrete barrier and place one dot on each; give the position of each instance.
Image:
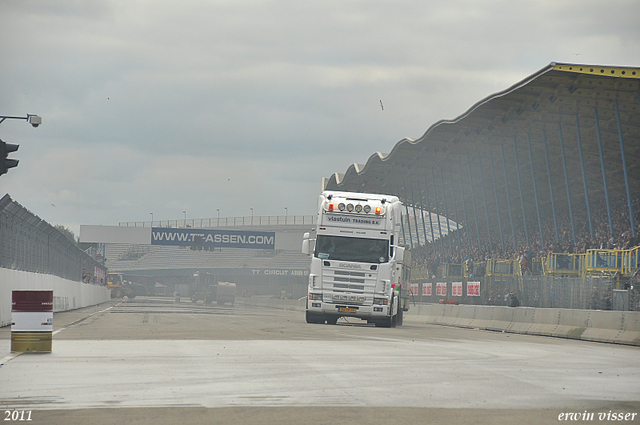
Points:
(67, 294)
(621, 327)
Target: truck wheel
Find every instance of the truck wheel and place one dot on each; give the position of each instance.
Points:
(384, 323)
(332, 320)
(400, 317)
(314, 318)
(119, 293)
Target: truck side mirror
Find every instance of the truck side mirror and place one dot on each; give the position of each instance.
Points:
(305, 244)
(399, 254)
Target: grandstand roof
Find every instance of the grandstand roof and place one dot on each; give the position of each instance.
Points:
(557, 104)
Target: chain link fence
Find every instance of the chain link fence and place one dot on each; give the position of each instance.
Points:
(30, 244)
(597, 293)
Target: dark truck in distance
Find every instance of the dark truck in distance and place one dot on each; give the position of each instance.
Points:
(205, 288)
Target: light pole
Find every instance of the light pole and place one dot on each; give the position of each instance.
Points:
(34, 120)
(151, 219)
(218, 211)
(7, 148)
(185, 217)
(251, 215)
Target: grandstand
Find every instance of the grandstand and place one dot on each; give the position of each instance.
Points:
(545, 171)
(260, 272)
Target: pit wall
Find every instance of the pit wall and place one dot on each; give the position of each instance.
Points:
(621, 327)
(67, 294)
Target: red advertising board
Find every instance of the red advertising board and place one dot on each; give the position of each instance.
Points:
(456, 289)
(426, 289)
(32, 300)
(441, 289)
(473, 289)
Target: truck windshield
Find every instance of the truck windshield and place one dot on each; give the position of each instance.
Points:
(352, 249)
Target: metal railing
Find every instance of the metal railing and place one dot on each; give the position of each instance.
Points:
(561, 264)
(267, 220)
(502, 267)
(604, 261)
(631, 261)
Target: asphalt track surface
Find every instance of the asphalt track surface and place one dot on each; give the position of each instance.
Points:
(154, 361)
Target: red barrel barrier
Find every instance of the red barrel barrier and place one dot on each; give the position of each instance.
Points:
(31, 321)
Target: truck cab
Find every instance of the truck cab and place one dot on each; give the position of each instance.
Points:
(357, 265)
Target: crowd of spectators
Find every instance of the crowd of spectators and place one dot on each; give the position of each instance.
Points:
(464, 247)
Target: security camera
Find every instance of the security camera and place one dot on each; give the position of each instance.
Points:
(34, 120)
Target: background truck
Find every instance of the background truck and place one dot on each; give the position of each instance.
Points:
(204, 287)
(358, 269)
(120, 286)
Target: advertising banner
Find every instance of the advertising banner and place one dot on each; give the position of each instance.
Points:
(427, 287)
(413, 288)
(473, 289)
(213, 238)
(456, 289)
(441, 289)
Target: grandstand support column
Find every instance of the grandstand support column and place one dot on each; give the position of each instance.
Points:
(415, 215)
(524, 217)
(435, 197)
(584, 178)
(426, 195)
(604, 175)
(553, 205)
(424, 225)
(484, 199)
(624, 168)
(455, 212)
(566, 182)
(446, 210)
(404, 236)
(464, 209)
(495, 192)
(473, 200)
(506, 188)
(406, 206)
(535, 190)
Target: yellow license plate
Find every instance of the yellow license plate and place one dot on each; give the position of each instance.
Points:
(347, 310)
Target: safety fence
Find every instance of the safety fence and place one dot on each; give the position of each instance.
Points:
(30, 244)
(600, 293)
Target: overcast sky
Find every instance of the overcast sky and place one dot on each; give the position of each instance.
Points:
(165, 106)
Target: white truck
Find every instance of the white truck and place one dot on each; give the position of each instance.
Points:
(358, 268)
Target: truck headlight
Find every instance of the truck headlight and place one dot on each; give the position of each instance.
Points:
(380, 301)
(315, 297)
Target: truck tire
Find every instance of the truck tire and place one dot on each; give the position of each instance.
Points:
(332, 320)
(314, 318)
(384, 323)
(119, 293)
(400, 317)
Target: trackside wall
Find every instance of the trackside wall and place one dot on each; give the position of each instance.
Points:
(67, 294)
(621, 327)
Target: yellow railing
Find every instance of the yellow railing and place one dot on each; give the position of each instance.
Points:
(631, 260)
(561, 264)
(604, 261)
(502, 267)
(454, 270)
(595, 261)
